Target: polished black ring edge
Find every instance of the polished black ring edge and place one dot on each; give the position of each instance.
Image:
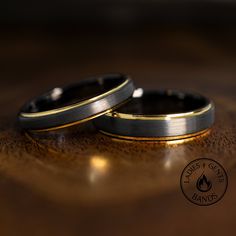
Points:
(80, 113)
(149, 128)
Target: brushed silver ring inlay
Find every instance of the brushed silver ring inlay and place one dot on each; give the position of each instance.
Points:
(163, 114)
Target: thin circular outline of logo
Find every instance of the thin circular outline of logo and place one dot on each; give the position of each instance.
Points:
(223, 170)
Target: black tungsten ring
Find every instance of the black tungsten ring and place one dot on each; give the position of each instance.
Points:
(164, 115)
(66, 106)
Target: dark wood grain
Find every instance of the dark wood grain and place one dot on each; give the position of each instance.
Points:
(80, 182)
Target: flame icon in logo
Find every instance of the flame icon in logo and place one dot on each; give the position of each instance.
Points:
(203, 184)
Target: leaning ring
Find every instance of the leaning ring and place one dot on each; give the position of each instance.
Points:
(66, 106)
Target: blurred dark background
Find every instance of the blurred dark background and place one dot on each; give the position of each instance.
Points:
(159, 43)
(118, 13)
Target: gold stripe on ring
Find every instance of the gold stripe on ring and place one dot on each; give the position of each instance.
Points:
(66, 108)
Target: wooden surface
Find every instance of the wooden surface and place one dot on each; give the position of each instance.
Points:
(80, 182)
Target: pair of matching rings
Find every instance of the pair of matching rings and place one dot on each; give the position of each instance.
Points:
(119, 109)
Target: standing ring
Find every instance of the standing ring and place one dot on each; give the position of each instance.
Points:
(162, 115)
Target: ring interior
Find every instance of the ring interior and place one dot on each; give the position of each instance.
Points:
(156, 103)
(84, 90)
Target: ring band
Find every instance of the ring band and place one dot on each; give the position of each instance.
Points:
(162, 115)
(66, 106)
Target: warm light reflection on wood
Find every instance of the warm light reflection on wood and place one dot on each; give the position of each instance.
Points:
(98, 168)
(98, 163)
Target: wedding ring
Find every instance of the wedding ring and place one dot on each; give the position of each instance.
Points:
(162, 115)
(70, 105)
